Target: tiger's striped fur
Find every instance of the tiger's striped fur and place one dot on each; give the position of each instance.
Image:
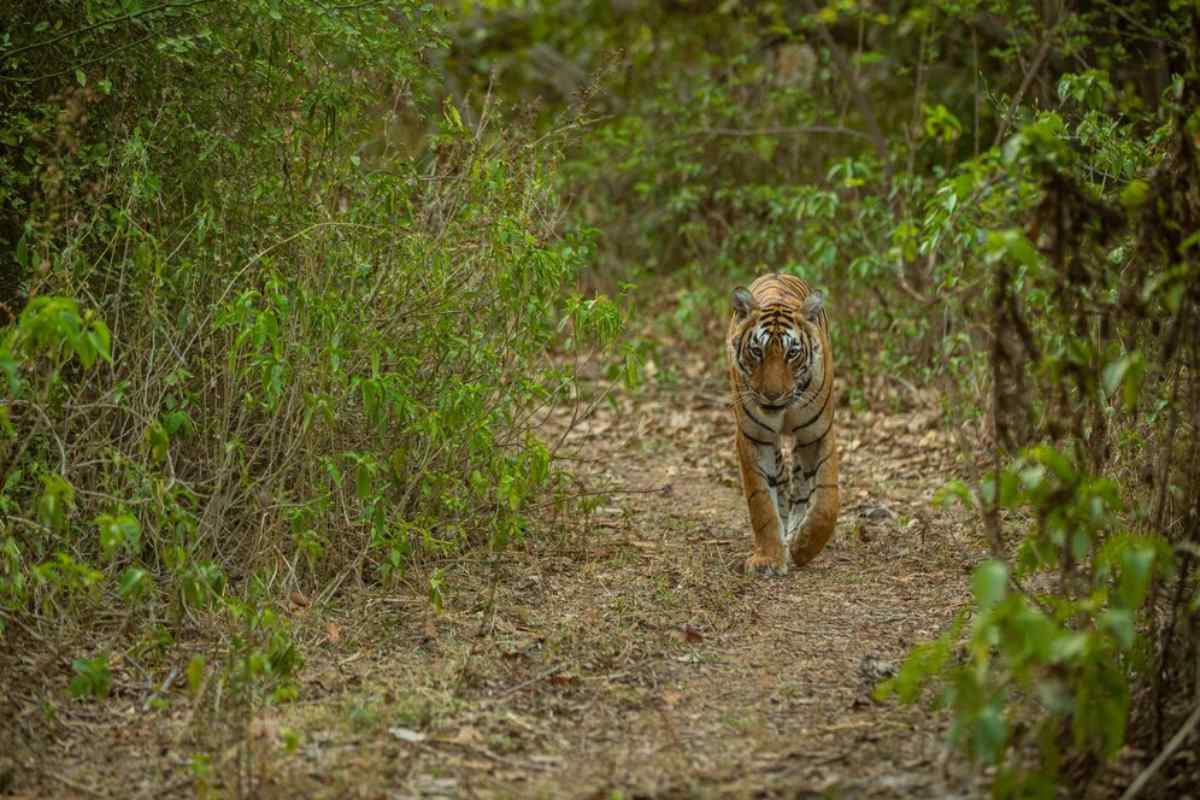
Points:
(781, 373)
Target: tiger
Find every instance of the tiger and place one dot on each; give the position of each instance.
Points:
(781, 376)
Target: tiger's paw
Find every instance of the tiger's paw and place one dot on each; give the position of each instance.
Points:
(768, 566)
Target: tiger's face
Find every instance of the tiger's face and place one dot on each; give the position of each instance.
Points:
(776, 349)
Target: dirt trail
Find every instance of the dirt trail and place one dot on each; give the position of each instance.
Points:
(627, 656)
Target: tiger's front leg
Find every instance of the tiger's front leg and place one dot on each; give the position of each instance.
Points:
(814, 502)
(760, 463)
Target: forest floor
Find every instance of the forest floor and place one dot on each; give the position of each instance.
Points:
(625, 655)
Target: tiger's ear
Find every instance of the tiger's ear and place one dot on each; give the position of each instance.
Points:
(812, 306)
(743, 302)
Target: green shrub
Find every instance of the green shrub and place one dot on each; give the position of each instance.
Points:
(262, 328)
(1040, 676)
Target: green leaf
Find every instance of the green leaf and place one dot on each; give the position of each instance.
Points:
(450, 112)
(92, 677)
(1190, 242)
(1135, 193)
(100, 340)
(177, 422)
(157, 440)
(924, 663)
(990, 733)
(195, 674)
(1081, 543)
(1136, 562)
(1013, 244)
(1119, 622)
(363, 483)
(1008, 489)
(57, 498)
(989, 583)
(11, 368)
(1032, 477)
(118, 531)
(1124, 373)
(1060, 465)
(954, 489)
(134, 583)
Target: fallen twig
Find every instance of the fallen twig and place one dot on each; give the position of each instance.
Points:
(539, 677)
(604, 493)
(70, 784)
(162, 689)
(1177, 740)
(169, 788)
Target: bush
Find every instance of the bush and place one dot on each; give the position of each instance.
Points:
(264, 333)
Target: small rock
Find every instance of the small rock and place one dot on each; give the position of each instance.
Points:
(876, 513)
(875, 669)
(407, 735)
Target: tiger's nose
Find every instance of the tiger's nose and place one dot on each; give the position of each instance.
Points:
(772, 397)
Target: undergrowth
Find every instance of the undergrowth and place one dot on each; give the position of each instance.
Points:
(281, 324)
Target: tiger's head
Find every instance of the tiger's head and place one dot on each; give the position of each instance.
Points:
(776, 348)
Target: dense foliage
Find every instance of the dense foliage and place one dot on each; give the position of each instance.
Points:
(259, 341)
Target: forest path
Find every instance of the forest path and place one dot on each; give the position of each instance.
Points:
(630, 657)
(623, 655)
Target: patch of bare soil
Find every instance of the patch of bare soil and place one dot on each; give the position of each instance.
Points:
(624, 655)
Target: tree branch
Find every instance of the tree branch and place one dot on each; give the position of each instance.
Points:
(1043, 51)
(802, 129)
(874, 132)
(82, 64)
(102, 24)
